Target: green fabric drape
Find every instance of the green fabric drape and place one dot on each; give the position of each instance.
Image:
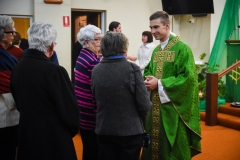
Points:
(233, 77)
(221, 101)
(227, 54)
(229, 20)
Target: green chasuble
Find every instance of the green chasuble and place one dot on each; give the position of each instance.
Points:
(174, 127)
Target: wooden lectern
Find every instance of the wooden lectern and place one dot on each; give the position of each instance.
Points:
(233, 77)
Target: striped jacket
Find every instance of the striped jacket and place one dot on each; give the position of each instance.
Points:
(86, 102)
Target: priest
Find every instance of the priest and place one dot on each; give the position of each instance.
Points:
(174, 120)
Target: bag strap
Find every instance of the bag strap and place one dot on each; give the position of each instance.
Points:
(135, 92)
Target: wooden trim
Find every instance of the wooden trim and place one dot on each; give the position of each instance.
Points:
(229, 69)
(212, 94)
(211, 99)
(232, 41)
(53, 1)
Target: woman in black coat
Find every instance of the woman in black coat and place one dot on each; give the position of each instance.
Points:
(46, 100)
(122, 101)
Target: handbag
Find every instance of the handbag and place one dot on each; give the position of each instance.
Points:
(145, 140)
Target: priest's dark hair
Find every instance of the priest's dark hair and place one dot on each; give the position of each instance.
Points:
(164, 18)
(113, 44)
(149, 35)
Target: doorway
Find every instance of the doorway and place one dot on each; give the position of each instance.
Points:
(81, 18)
(21, 24)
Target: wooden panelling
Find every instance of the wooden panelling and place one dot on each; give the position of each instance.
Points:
(22, 25)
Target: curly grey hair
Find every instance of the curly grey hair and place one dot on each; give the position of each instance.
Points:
(87, 33)
(41, 35)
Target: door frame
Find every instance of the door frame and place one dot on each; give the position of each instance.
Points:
(102, 27)
(22, 16)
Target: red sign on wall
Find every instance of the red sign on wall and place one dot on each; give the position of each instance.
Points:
(66, 21)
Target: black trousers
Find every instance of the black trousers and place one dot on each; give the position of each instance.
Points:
(90, 146)
(119, 147)
(8, 142)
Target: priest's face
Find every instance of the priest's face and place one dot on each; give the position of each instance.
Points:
(159, 30)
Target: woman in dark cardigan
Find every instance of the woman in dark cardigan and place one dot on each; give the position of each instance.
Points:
(122, 101)
(45, 99)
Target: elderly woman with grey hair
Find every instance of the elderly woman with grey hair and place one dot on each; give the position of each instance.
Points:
(45, 99)
(122, 101)
(90, 38)
(9, 116)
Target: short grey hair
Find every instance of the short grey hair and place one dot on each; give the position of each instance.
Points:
(41, 35)
(5, 22)
(87, 33)
(113, 44)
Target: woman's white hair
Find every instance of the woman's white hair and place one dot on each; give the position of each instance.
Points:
(5, 22)
(87, 33)
(41, 35)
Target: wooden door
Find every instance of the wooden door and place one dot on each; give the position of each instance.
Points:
(80, 21)
(22, 25)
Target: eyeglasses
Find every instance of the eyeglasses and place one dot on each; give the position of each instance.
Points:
(12, 32)
(96, 39)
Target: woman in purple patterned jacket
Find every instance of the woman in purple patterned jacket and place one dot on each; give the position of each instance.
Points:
(90, 38)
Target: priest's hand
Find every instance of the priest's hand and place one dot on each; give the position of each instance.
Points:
(151, 83)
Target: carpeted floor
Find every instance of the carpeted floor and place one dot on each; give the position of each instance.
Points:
(77, 140)
(218, 143)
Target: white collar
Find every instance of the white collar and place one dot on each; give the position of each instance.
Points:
(163, 44)
(146, 45)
